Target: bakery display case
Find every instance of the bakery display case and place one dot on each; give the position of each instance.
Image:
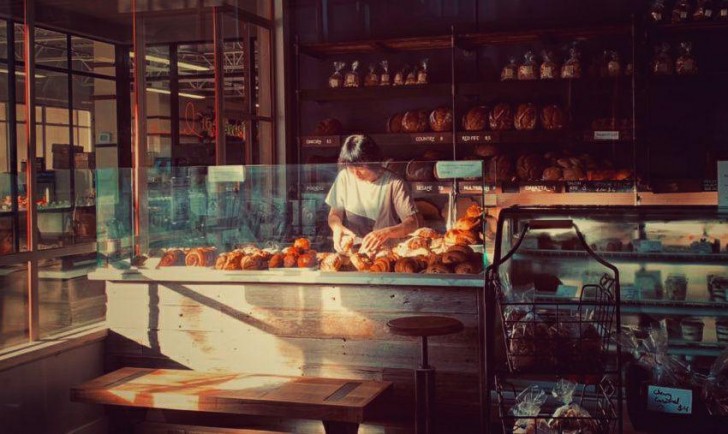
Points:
(672, 265)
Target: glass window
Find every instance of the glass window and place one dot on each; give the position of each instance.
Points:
(3, 39)
(92, 56)
(51, 48)
(13, 305)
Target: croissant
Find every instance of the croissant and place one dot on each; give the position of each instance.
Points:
(171, 258)
(250, 263)
(360, 262)
(382, 265)
(437, 269)
(467, 223)
(220, 261)
(331, 262)
(474, 211)
(426, 233)
(454, 257)
(276, 260)
(407, 265)
(460, 248)
(467, 268)
(290, 260)
(307, 260)
(200, 257)
(302, 244)
(421, 261)
(434, 259)
(233, 261)
(461, 237)
(418, 243)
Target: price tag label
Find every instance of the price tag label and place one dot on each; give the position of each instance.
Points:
(226, 174)
(458, 169)
(723, 184)
(669, 400)
(606, 135)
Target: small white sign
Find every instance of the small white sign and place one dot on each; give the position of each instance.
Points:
(606, 135)
(669, 400)
(459, 169)
(566, 291)
(226, 174)
(723, 184)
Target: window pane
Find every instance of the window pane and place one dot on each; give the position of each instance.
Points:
(3, 39)
(67, 298)
(92, 56)
(13, 305)
(51, 48)
(262, 86)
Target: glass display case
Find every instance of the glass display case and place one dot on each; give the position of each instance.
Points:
(214, 216)
(673, 271)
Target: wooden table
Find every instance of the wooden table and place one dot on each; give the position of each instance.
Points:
(340, 404)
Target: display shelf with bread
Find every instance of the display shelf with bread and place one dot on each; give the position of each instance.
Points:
(373, 93)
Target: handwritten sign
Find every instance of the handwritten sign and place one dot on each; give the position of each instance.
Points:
(669, 400)
(226, 174)
(459, 169)
(723, 184)
(606, 135)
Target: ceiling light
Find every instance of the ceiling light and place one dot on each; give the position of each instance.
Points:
(21, 73)
(181, 65)
(167, 92)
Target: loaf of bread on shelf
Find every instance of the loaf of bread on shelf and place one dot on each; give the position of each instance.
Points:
(526, 117)
(499, 169)
(501, 118)
(574, 173)
(475, 119)
(394, 123)
(485, 151)
(553, 117)
(441, 120)
(172, 257)
(328, 127)
(420, 171)
(530, 167)
(415, 121)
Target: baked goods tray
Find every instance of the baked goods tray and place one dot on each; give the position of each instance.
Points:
(554, 416)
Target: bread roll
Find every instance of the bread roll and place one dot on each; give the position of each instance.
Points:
(420, 171)
(530, 167)
(415, 121)
(468, 268)
(526, 116)
(501, 118)
(553, 118)
(441, 120)
(302, 244)
(172, 257)
(307, 260)
(407, 265)
(220, 261)
(199, 257)
(276, 260)
(290, 260)
(485, 151)
(328, 127)
(331, 262)
(250, 263)
(475, 119)
(499, 169)
(394, 123)
(463, 249)
(553, 173)
(437, 269)
(460, 237)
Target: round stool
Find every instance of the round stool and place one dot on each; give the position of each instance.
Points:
(424, 326)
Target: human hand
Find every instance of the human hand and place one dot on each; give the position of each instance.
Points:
(343, 239)
(374, 240)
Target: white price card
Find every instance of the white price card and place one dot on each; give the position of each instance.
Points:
(723, 184)
(226, 174)
(458, 169)
(669, 400)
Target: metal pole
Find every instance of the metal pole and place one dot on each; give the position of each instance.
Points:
(12, 136)
(219, 49)
(139, 150)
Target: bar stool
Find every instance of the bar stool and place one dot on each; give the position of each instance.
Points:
(424, 326)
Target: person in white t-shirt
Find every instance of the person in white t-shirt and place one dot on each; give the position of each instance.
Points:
(367, 200)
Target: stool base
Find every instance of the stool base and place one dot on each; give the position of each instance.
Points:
(424, 399)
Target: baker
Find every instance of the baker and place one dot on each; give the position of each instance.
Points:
(368, 201)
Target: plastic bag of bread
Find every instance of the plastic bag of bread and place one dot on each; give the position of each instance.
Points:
(526, 116)
(528, 70)
(510, 71)
(499, 169)
(549, 68)
(715, 386)
(553, 118)
(530, 167)
(385, 79)
(662, 63)
(337, 78)
(441, 120)
(685, 63)
(400, 76)
(353, 77)
(657, 11)
(524, 337)
(501, 118)
(681, 11)
(572, 67)
(704, 10)
(613, 64)
(475, 119)
(328, 127)
(527, 407)
(422, 77)
(415, 121)
(723, 10)
(371, 79)
(411, 77)
(570, 416)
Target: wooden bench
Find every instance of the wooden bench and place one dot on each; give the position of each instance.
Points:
(339, 403)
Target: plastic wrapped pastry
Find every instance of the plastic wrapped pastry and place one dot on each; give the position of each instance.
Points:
(401, 76)
(337, 78)
(662, 62)
(657, 11)
(353, 77)
(570, 416)
(704, 10)
(681, 11)
(371, 79)
(572, 67)
(685, 63)
(501, 118)
(411, 77)
(528, 406)
(529, 69)
(422, 75)
(549, 68)
(510, 71)
(385, 79)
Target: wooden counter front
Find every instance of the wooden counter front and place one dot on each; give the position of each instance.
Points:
(311, 329)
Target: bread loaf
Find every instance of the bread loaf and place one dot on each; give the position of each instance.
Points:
(553, 173)
(499, 169)
(553, 118)
(420, 171)
(441, 120)
(526, 116)
(394, 123)
(475, 119)
(501, 118)
(415, 121)
(530, 167)
(485, 151)
(328, 127)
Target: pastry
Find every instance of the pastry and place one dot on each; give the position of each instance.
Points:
(467, 223)
(276, 260)
(331, 262)
(474, 210)
(407, 265)
(573, 418)
(252, 262)
(426, 233)
(307, 260)
(475, 119)
(553, 117)
(233, 261)
(454, 257)
(692, 329)
(360, 262)
(501, 118)
(574, 174)
(437, 269)
(220, 261)
(415, 121)
(290, 260)
(526, 116)
(172, 257)
(394, 123)
(200, 257)
(553, 173)
(460, 237)
(420, 171)
(468, 268)
(441, 120)
(328, 127)
(499, 169)
(302, 244)
(382, 265)
(530, 167)
(462, 248)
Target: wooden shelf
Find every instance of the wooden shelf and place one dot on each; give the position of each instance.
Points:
(691, 26)
(378, 45)
(540, 35)
(383, 140)
(375, 93)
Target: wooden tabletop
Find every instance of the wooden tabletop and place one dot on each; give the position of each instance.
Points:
(253, 394)
(425, 325)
